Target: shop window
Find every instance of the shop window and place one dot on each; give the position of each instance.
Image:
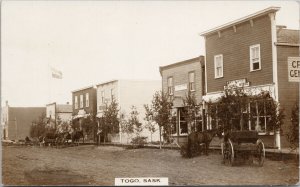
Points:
(260, 116)
(255, 61)
(218, 60)
(183, 127)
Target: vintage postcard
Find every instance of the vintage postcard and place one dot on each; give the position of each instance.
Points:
(150, 93)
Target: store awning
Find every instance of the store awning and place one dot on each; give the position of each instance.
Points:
(81, 114)
(212, 97)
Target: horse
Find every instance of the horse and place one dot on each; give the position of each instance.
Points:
(50, 138)
(76, 135)
(199, 140)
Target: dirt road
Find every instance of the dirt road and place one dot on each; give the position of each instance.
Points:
(84, 165)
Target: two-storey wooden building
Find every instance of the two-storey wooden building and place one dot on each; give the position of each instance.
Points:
(252, 52)
(179, 80)
(84, 105)
(84, 102)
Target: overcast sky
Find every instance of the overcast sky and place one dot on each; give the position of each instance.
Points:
(96, 41)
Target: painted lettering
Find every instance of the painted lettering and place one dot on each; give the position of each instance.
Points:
(296, 64)
(295, 73)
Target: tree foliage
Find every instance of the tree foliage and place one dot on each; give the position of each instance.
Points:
(39, 127)
(126, 128)
(160, 112)
(293, 133)
(109, 122)
(150, 124)
(232, 110)
(191, 111)
(134, 121)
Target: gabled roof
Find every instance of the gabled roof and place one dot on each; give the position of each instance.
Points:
(241, 20)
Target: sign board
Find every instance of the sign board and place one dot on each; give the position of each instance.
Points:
(236, 83)
(294, 69)
(180, 87)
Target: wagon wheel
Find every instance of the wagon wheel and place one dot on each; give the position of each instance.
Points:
(260, 152)
(227, 152)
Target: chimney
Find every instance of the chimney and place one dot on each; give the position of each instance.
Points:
(67, 103)
(6, 103)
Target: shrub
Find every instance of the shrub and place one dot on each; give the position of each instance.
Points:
(139, 140)
(293, 134)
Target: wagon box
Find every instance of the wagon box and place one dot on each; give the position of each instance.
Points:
(242, 136)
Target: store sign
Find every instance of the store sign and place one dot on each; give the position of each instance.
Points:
(236, 83)
(180, 87)
(294, 69)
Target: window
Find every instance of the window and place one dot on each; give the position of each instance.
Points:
(255, 57)
(112, 94)
(183, 127)
(170, 85)
(76, 102)
(260, 117)
(87, 100)
(192, 81)
(102, 96)
(81, 101)
(218, 66)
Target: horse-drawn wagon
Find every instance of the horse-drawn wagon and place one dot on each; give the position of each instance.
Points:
(242, 144)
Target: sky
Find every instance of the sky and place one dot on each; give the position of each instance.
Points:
(95, 41)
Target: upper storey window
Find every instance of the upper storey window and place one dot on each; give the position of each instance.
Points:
(218, 66)
(255, 62)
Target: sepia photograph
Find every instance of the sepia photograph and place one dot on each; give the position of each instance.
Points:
(149, 93)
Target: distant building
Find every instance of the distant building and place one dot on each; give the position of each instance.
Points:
(84, 102)
(252, 52)
(84, 105)
(16, 121)
(178, 80)
(58, 112)
(127, 93)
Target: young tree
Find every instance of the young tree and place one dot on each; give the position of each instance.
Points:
(191, 109)
(233, 114)
(150, 125)
(110, 122)
(38, 127)
(293, 134)
(161, 113)
(134, 121)
(126, 128)
(89, 124)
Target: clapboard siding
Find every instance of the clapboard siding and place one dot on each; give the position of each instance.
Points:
(234, 46)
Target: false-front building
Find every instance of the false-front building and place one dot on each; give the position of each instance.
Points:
(178, 81)
(252, 52)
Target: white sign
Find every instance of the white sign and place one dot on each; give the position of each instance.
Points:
(180, 87)
(237, 83)
(294, 69)
(147, 181)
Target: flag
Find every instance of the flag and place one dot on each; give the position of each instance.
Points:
(56, 73)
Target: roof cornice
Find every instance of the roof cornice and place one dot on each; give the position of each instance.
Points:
(241, 20)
